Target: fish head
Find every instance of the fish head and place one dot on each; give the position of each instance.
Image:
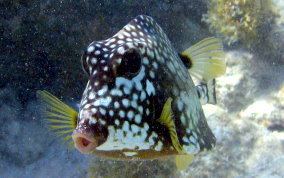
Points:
(121, 90)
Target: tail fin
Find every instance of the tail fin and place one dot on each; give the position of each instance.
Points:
(205, 59)
(206, 92)
(211, 92)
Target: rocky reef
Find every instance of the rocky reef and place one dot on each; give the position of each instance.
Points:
(241, 20)
(255, 25)
(248, 122)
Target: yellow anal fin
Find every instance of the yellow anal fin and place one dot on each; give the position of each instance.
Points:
(62, 119)
(207, 59)
(183, 161)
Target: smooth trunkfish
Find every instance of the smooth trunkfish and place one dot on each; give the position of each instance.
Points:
(140, 101)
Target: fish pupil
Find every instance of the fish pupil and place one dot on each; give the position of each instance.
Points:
(130, 64)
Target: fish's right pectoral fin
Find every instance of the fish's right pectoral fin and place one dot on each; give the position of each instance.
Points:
(62, 119)
(206, 59)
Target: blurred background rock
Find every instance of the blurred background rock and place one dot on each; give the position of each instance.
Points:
(41, 43)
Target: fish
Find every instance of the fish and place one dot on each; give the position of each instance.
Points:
(140, 101)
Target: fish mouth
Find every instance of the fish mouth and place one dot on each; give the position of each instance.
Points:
(84, 143)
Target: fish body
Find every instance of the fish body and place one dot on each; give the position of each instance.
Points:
(140, 100)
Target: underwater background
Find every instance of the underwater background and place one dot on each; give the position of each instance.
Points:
(41, 43)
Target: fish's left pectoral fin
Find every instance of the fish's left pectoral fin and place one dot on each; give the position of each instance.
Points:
(206, 59)
(183, 161)
(61, 118)
(166, 119)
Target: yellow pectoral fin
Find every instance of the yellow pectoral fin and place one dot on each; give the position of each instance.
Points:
(166, 119)
(62, 118)
(207, 59)
(183, 161)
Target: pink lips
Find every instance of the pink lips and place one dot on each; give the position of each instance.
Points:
(85, 143)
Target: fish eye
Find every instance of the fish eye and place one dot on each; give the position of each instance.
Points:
(84, 63)
(130, 64)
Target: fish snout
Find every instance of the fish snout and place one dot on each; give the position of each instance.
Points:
(84, 137)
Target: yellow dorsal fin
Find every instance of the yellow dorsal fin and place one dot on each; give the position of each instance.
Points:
(167, 120)
(62, 119)
(206, 58)
(183, 161)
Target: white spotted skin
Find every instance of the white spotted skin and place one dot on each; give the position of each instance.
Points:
(129, 106)
(118, 141)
